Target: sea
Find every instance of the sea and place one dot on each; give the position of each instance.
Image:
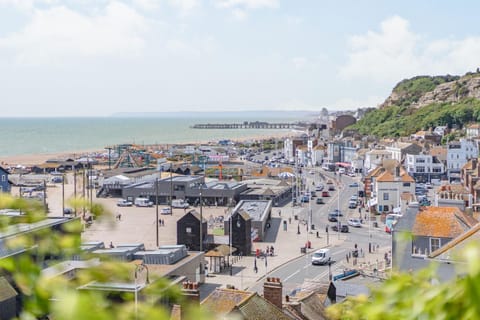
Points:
(27, 136)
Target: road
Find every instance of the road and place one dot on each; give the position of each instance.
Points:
(295, 272)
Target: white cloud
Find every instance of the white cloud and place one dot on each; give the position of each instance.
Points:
(239, 8)
(25, 5)
(239, 14)
(299, 62)
(248, 4)
(147, 5)
(59, 33)
(395, 52)
(185, 6)
(192, 48)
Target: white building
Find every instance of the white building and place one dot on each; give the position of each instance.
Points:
(375, 158)
(400, 149)
(318, 154)
(458, 153)
(288, 149)
(424, 167)
(389, 187)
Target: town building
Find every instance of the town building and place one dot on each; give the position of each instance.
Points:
(424, 167)
(458, 153)
(374, 158)
(5, 184)
(389, 186)
(400, 150)
(258, 211)
(421, 232)
(188, 231)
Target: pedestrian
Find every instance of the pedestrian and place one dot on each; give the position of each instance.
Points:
(279, 213)
(111, 244)
(271, 251)
(346, 256)
(159, 222)
(119, 217)
(289, 220)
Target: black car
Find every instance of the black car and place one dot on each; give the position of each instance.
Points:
(332, 218)
(343, 228)
(319, 201)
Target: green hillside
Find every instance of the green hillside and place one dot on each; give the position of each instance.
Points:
(398, 121)
(410, 90)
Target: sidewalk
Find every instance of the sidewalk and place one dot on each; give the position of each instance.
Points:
(287, 246)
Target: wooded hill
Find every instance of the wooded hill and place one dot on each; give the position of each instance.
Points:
(424, 102)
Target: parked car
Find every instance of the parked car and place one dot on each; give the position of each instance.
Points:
(313, 194)
(354, 222)
(343, 228)
(331, 187)
(332, 217)
(325, 194)
(319, 201)
(321, 256)
(166, 210)
(352, 204)
(124, 203)
(305, 199)
(319, 187)
(336, 212)
(353, 185)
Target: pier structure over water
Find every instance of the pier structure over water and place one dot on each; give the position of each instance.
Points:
(247, 125)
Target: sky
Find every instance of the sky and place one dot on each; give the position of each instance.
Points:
(101, 57)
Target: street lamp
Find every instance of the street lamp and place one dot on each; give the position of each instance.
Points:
(156, 208)
(139, 268)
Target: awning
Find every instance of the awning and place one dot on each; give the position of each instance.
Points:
(343, 164)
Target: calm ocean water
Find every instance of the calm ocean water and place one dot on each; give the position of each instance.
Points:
(23, 136)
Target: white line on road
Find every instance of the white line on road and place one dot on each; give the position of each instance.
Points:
(286, 279)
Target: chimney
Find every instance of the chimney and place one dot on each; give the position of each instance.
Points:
(191, 292)
(272, 291)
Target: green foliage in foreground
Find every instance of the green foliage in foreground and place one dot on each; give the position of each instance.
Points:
(58, 297)
(417, 296)
(395, 121)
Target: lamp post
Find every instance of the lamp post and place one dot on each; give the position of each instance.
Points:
(63, 194)
(171, 188)
(156, 208)
(139, 268)
(230, 240)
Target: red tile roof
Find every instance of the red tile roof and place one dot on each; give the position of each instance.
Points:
(442, 222)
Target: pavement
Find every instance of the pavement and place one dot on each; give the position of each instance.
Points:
(138, 225)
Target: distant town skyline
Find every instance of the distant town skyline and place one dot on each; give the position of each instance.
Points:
(98, 58)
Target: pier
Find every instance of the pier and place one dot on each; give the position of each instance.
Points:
(247, 125)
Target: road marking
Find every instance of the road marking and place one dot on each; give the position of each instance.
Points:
(286, 279)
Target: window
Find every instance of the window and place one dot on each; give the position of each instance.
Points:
(385, 196)
(4, 178)
(406, 184)
(385, 208)
(420, 169)
(435, 244)
(188, 229)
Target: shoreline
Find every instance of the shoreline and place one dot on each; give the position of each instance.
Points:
(35, 159)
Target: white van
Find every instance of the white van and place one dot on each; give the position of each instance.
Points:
(321, 256)
(143, 202)
(179, 203)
